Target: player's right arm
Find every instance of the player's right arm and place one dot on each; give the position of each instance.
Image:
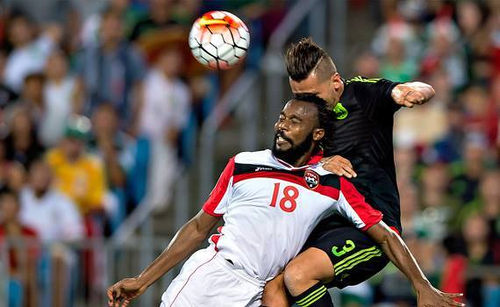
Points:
(185, 241)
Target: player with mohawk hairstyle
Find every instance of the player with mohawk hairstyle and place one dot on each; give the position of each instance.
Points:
(336, 254)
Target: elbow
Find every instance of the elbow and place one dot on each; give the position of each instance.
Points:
(432, 92)
(388, 238)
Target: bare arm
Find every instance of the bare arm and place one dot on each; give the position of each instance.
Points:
(399, 254)
(186, 240)
(412, 93)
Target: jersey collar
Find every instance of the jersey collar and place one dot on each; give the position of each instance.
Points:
(315, 158)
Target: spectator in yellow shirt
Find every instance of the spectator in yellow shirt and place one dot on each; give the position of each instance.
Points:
(78, 174)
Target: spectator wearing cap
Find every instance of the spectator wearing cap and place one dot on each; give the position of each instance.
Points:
(81, 177)
(78, 174)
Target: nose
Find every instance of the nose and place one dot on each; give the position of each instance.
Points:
(281, 126)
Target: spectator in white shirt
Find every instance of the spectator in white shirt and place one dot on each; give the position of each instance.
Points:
(56, 219)
(51, 214)
(29, 54)
(62, 97)
(165, 110)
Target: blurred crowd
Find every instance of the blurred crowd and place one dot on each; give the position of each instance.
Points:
(100, 102)
(447, 152)
(100, 105)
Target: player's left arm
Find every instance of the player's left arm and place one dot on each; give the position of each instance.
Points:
(397, 251)
(412, 93)
(354, 207)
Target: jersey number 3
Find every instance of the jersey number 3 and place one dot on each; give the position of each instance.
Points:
(288, 202)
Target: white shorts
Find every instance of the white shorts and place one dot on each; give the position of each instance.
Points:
(207, 279)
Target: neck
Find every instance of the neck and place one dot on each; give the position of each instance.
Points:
(39, 193)
(302, 160)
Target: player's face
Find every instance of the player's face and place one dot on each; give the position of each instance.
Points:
(329, 89)
(296, 130)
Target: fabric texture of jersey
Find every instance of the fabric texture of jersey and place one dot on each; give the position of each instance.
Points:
(363, 134)
(270, 208)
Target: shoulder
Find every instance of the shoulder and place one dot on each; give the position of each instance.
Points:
(326, 178)
(92, 161)
(54, 157)
(253, 157)
(359, 80)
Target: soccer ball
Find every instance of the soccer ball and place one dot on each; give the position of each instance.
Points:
(219, 39)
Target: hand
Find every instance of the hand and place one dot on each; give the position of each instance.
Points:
(339, 166)
(407, 96)
(121, 293)
(430, 297)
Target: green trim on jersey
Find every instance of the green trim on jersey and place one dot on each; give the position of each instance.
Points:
(362, 79)
(340, 111)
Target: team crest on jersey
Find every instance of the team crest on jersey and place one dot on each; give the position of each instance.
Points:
(312, 179)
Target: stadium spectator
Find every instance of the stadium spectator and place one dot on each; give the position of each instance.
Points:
(81, 177)
(117, 150)
(6, 94)
(29, 53)
(16, 177)
(52, 215)
(92, 24)
(56, 220)
(395, 65)
(31, 97)
(112, 70)
(21, 244)
(77, 174)
(158, 20)
(466, 173)
(62, 97)
(475, 233)
(21, 144)
(164, 113)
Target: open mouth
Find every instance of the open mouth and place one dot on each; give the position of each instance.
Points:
(281, 140)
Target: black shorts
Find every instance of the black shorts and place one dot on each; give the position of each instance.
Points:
(355, 256)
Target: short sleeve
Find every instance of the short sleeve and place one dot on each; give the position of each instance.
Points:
(352, 205)
(216, 204)
(374, 97)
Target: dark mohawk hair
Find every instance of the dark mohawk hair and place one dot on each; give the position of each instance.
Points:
(303, 57)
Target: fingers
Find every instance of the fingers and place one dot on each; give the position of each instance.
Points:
(349, 172)
(345, 161)
(450, 299)
(339, 166)
(412, 98)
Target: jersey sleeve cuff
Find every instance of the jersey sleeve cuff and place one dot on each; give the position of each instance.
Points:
(374, 222)
(211, 212)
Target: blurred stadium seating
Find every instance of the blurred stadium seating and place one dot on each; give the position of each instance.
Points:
(81, 127)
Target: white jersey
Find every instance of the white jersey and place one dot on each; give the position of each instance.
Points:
(270, 208)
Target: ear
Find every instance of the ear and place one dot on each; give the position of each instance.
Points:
(318, 134)
(336, 81)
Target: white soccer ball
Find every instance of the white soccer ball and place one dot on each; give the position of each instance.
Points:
(219, 39)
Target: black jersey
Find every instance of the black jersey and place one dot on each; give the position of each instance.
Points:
(363, 134)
